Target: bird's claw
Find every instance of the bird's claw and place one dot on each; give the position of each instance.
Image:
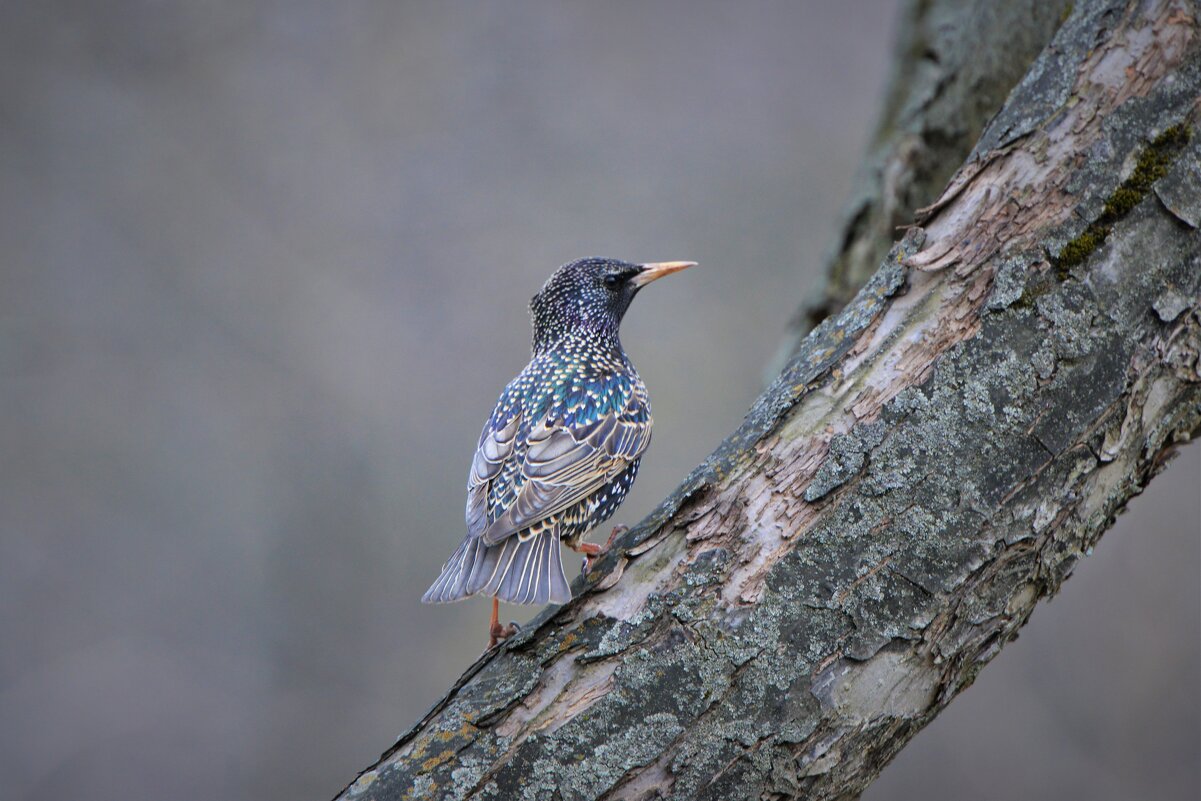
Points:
(594, 552)
(498, 633)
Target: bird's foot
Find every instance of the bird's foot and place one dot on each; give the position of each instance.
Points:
(592, 551)
(497, 632)
(614, 534)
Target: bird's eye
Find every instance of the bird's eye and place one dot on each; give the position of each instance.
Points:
(612, 281)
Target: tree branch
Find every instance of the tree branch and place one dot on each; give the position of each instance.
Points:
(928, 466)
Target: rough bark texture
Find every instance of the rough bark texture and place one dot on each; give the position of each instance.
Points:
(955, 62)
(929, 466)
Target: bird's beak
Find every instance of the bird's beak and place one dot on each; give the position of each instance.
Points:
(656, 270)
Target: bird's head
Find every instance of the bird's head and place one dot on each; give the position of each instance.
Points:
(591, 295)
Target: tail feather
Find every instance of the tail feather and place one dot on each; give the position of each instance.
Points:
(516, 571)
(451, 584)
(523, 572)
(530, 578)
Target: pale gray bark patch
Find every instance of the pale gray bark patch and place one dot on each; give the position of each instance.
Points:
(892, 683)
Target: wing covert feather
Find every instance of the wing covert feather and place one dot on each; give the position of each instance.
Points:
(565, 465)
(496, 447)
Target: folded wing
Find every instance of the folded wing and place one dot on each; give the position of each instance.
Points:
(564, 465)
(496, 448)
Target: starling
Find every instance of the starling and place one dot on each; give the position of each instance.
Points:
(561, 449)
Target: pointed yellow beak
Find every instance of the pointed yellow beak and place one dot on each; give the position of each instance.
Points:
(656, 270)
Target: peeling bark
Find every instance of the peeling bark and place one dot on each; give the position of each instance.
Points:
(929, 466)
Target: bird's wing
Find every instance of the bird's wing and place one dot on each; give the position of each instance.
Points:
(565, 461)
(496, 447)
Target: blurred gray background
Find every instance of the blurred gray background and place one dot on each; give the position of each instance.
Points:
(263, 270)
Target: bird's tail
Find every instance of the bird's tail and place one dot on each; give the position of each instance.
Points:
(451, 584)
(516, 570)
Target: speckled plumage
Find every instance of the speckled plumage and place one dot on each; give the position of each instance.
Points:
(562, 446)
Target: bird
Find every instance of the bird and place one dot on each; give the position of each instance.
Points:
(562, 446)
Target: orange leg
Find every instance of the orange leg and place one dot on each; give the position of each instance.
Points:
(592, 551)
(497, 632)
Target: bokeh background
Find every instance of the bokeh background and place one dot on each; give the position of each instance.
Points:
(264, 268)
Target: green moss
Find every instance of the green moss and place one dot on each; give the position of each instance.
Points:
(1152, 165)
(1154, 162)
(1080, 248)
(1121, 202)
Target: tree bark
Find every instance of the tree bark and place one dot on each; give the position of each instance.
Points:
(929, 466)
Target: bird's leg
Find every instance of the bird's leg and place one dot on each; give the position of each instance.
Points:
(592, 551)
(497, 632)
